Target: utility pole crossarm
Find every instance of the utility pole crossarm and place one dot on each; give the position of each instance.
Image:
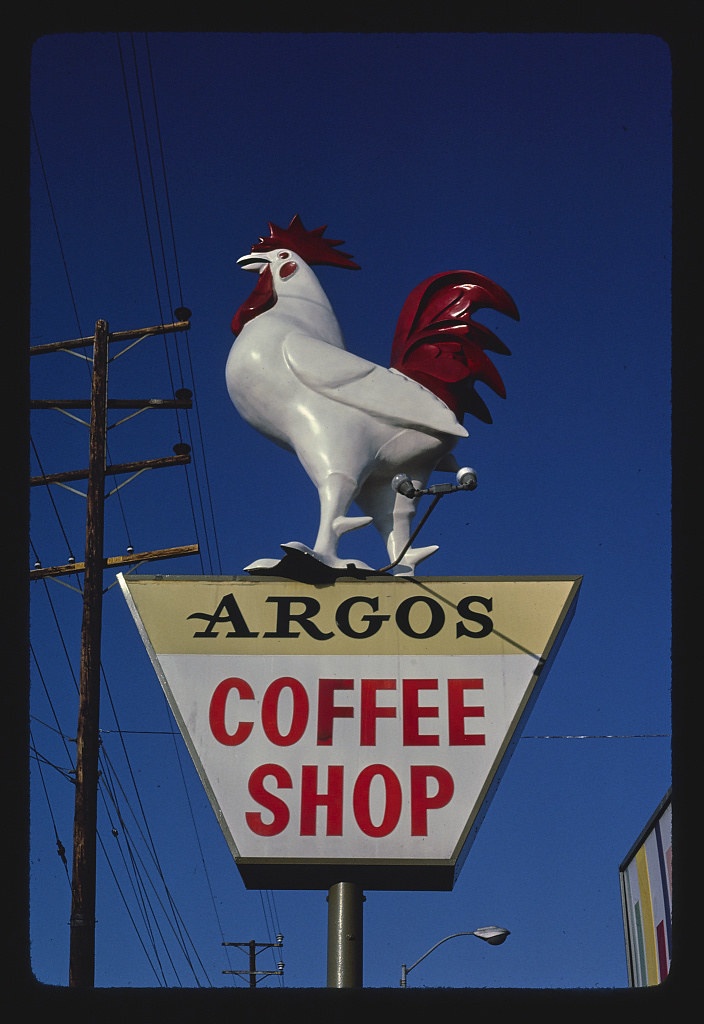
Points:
(182, 459)
(113, 561)
(182, 400)
(64, 346)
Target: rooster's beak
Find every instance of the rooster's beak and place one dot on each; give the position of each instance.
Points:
(250, 262)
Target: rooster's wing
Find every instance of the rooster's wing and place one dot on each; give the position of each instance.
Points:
(387, 395)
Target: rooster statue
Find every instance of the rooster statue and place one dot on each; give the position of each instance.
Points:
(355, 425)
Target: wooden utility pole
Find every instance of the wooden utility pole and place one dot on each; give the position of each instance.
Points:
(83, 884)
(82, 949)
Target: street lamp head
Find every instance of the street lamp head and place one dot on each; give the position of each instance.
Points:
(492, 934)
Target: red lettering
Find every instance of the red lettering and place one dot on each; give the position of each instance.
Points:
(457, 711)
(311, 799)
(412, 712)
(370, 711)
(328, 710)
(361, 802)
(269, 801)
(421, 802)
(217, 712)
(431, 788)
(270, 711)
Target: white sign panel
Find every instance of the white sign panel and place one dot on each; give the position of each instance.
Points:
(350, 727)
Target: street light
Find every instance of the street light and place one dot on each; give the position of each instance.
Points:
(491, 934)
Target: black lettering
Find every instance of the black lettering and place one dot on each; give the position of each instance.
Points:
(285, 616)
(227, 611)
(484, 622)
(342, 618)
(403, 617)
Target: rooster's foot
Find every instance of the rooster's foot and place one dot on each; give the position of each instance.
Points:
(411, 559)
(262, 563)
(332, 560)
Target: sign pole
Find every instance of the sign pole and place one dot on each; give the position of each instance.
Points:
(345, 935)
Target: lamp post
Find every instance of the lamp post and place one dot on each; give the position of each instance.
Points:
(491, 934)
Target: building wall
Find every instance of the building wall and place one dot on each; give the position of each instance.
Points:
(646, 894)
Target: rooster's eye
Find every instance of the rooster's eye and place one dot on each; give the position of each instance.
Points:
(283, 255)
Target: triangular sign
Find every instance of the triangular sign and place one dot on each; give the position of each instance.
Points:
(354, 730)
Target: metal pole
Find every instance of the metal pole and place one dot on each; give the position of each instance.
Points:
(254, 974)
(345, 935)
(82, 945)
(252, 964)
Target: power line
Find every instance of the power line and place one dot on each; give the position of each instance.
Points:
(603, 736)
(199, 499)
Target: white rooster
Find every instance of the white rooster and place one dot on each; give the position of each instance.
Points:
(355, 425)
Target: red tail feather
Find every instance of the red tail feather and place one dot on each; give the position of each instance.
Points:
(438, 344)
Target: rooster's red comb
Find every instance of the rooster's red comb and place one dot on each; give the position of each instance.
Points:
(310, 245)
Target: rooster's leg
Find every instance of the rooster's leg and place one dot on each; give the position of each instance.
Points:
(398, 538)
(336, 494)
(393, 514)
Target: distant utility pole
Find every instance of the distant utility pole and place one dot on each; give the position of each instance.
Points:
(83, 885)
(255, 948)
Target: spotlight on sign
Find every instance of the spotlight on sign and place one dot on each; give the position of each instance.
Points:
(467, 478)
(466, 481)
(403, 484)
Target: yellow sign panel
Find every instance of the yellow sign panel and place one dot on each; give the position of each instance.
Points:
(353, 728)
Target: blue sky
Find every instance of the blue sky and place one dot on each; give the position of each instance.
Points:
(542, 161)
